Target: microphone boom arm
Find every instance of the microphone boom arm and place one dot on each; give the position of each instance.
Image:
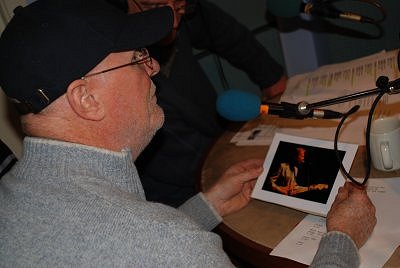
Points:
(383, 86)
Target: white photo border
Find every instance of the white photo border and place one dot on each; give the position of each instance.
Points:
(307, 206)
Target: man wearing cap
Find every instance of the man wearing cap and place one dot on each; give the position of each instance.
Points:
(88, 105)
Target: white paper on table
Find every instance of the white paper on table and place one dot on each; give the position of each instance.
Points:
(302, 242)
(385, 194)
(344, 78)
(331, 81)
(336, 80)
(260, 135)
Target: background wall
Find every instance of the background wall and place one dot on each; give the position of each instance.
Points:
(329, 40)
(10, 132)
(342, 46)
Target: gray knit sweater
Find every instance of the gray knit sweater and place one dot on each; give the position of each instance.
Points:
(66, 205)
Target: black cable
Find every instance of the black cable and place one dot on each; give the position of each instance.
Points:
(378, 5)
(367, 141)
(221, 72)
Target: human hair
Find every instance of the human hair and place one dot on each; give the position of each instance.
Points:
(293, 157)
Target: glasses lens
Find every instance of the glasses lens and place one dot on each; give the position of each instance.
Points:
(142, 56)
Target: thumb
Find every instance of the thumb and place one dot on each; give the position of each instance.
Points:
(343, 194)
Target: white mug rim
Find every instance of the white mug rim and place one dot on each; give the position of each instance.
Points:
(392, 124)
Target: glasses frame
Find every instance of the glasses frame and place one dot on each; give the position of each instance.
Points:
(139, 6)
(178, 7)
(146, 60)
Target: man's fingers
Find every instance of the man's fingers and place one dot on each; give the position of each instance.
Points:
(248, 188)
(247, 165)
(251, 163)
(343, 193)
(248, 175)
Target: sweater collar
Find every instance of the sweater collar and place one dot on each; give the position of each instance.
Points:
(64, 160)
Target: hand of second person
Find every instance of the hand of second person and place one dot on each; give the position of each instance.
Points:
(352, 213)
(274, 91)
(233, 189)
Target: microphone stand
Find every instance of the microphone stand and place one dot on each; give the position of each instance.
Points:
(384, 86)
(304, 110)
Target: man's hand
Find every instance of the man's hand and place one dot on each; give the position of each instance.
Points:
(233, 189)
(275, 90)
(352, 213)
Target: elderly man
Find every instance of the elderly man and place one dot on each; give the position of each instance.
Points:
(84, 87)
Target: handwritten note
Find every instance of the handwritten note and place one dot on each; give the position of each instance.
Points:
(302, 243)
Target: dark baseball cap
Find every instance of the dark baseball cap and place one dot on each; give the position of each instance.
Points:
(50, 43)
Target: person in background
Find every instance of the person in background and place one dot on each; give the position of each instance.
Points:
(80, 75)
(188, 97)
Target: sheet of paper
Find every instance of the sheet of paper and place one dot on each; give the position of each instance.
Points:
(331, 81)
(341, 79)
(302, 243)
(260, 135)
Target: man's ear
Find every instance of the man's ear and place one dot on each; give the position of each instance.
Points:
(83, 102)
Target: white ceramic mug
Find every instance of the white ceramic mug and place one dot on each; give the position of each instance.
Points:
(385, 143)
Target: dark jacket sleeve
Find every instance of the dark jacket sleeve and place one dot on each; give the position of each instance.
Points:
(213, 29)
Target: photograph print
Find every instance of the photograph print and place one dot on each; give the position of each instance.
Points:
(303, 173)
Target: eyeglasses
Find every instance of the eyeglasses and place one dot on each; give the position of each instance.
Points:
(178, 5)
(139, 56)
(138, 6)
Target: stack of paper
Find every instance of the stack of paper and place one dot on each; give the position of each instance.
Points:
(336, 80)
(331, 81)
(302, 243)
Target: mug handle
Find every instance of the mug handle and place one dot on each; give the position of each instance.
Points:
(385, 152)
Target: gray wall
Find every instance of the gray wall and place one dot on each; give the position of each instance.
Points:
(341, 47)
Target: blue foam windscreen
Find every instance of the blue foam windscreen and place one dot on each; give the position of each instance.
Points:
(237, 105)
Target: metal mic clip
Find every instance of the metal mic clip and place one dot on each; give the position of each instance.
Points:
(390, 87)
(305, 112)
(295, 111)
(300, 111)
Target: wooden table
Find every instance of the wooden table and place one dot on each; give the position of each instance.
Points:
(253, 232)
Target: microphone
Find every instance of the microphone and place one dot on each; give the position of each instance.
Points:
(236, 105)
(292, 8)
